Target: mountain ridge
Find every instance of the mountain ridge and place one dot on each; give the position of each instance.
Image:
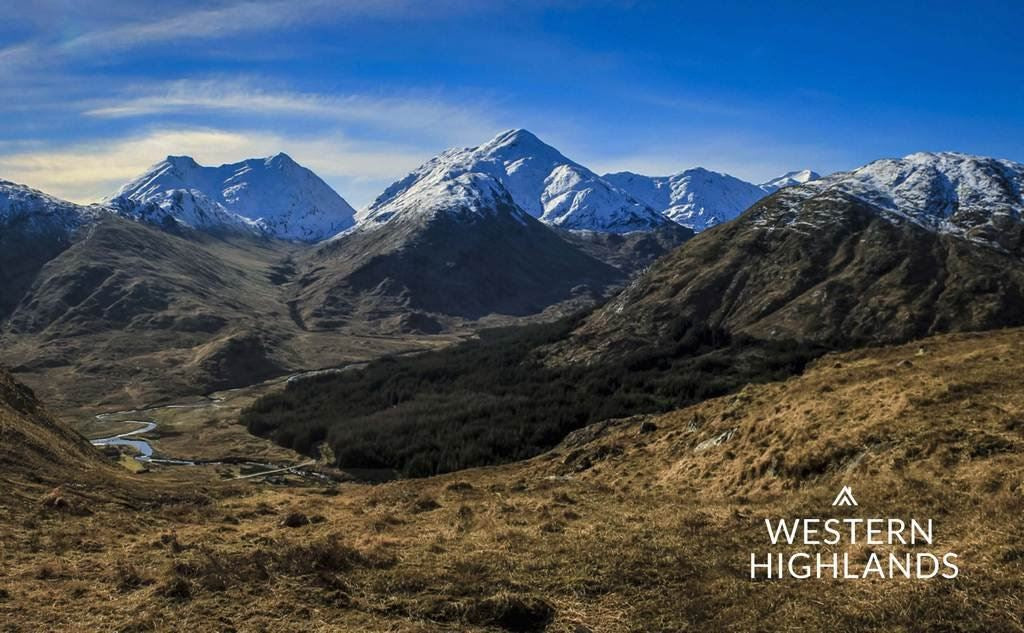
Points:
(696, 198)
(273, 195)
(541, 181)
(790, 179)
(891, 251)
(447, 247)
(950, 192)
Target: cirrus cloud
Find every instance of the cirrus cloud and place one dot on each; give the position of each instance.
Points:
(420, 115)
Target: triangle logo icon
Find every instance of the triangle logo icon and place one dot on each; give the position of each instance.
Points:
(845, 498)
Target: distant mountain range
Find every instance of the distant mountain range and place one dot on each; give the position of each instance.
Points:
(278, 198)
(696, 198)
(540, 180)
(190, 277)
(259, 260)
(894, 250)
(564, 194)
(273, 197)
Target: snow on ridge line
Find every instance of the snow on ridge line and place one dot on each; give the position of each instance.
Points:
(275, 194)
(42, 212)
(790, 179)
(934, 184)
(972, 197)
(471, 194)
(540, 180)
(696, 198)
(936, 189)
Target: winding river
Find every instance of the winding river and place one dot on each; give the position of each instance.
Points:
(141, 446)
(144, 449)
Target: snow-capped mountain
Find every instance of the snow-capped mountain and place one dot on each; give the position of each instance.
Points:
(34, 227)
(439, 192)
(947, 192)
(539, 179)
(892, 251)
(696, 198)
(447, 246)
(790, 179)
(273, 195)
(26, 208)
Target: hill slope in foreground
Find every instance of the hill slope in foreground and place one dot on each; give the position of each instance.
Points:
(35, 448)
(637, 525)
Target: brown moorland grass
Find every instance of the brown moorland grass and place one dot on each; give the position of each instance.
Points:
(636, 525)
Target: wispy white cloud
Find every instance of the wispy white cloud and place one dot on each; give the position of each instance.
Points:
(216, 22)
(18, 55)
(418, 114)
(158, 23)
(359, 143)
(86, 172)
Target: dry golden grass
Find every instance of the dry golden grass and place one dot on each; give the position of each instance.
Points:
(616, 530)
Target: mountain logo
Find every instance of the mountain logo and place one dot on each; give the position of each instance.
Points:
(845, 498)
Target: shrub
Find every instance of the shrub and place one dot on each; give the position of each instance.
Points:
(512, 612)
(176, 588)
(128, 578)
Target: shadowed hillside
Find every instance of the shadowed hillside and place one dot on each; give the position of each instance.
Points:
(129, 314)
(43, 463)
(35, 446)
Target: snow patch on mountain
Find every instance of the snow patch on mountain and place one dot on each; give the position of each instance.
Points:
(696, 198)
(274, 195)
(790, 179)
(975, 197)
(469, 195)
(26, 208)
(937, 186)
(537, 177)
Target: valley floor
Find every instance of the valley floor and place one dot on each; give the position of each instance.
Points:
(645, 524)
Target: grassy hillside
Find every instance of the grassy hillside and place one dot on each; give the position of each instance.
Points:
(446, 269)
(46, 466)
(129, 315)
(638, 525)
(34, 446)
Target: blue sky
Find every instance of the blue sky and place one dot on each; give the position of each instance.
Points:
(363, 91)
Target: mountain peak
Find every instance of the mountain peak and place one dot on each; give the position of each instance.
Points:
(182, 161)
(466, 195)
(539, 179)
(274, 195)
(696, 198)
(698, 170)
(802, 175)
(520, 144)
(515, 135)
(790, 179)
(280, 158)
